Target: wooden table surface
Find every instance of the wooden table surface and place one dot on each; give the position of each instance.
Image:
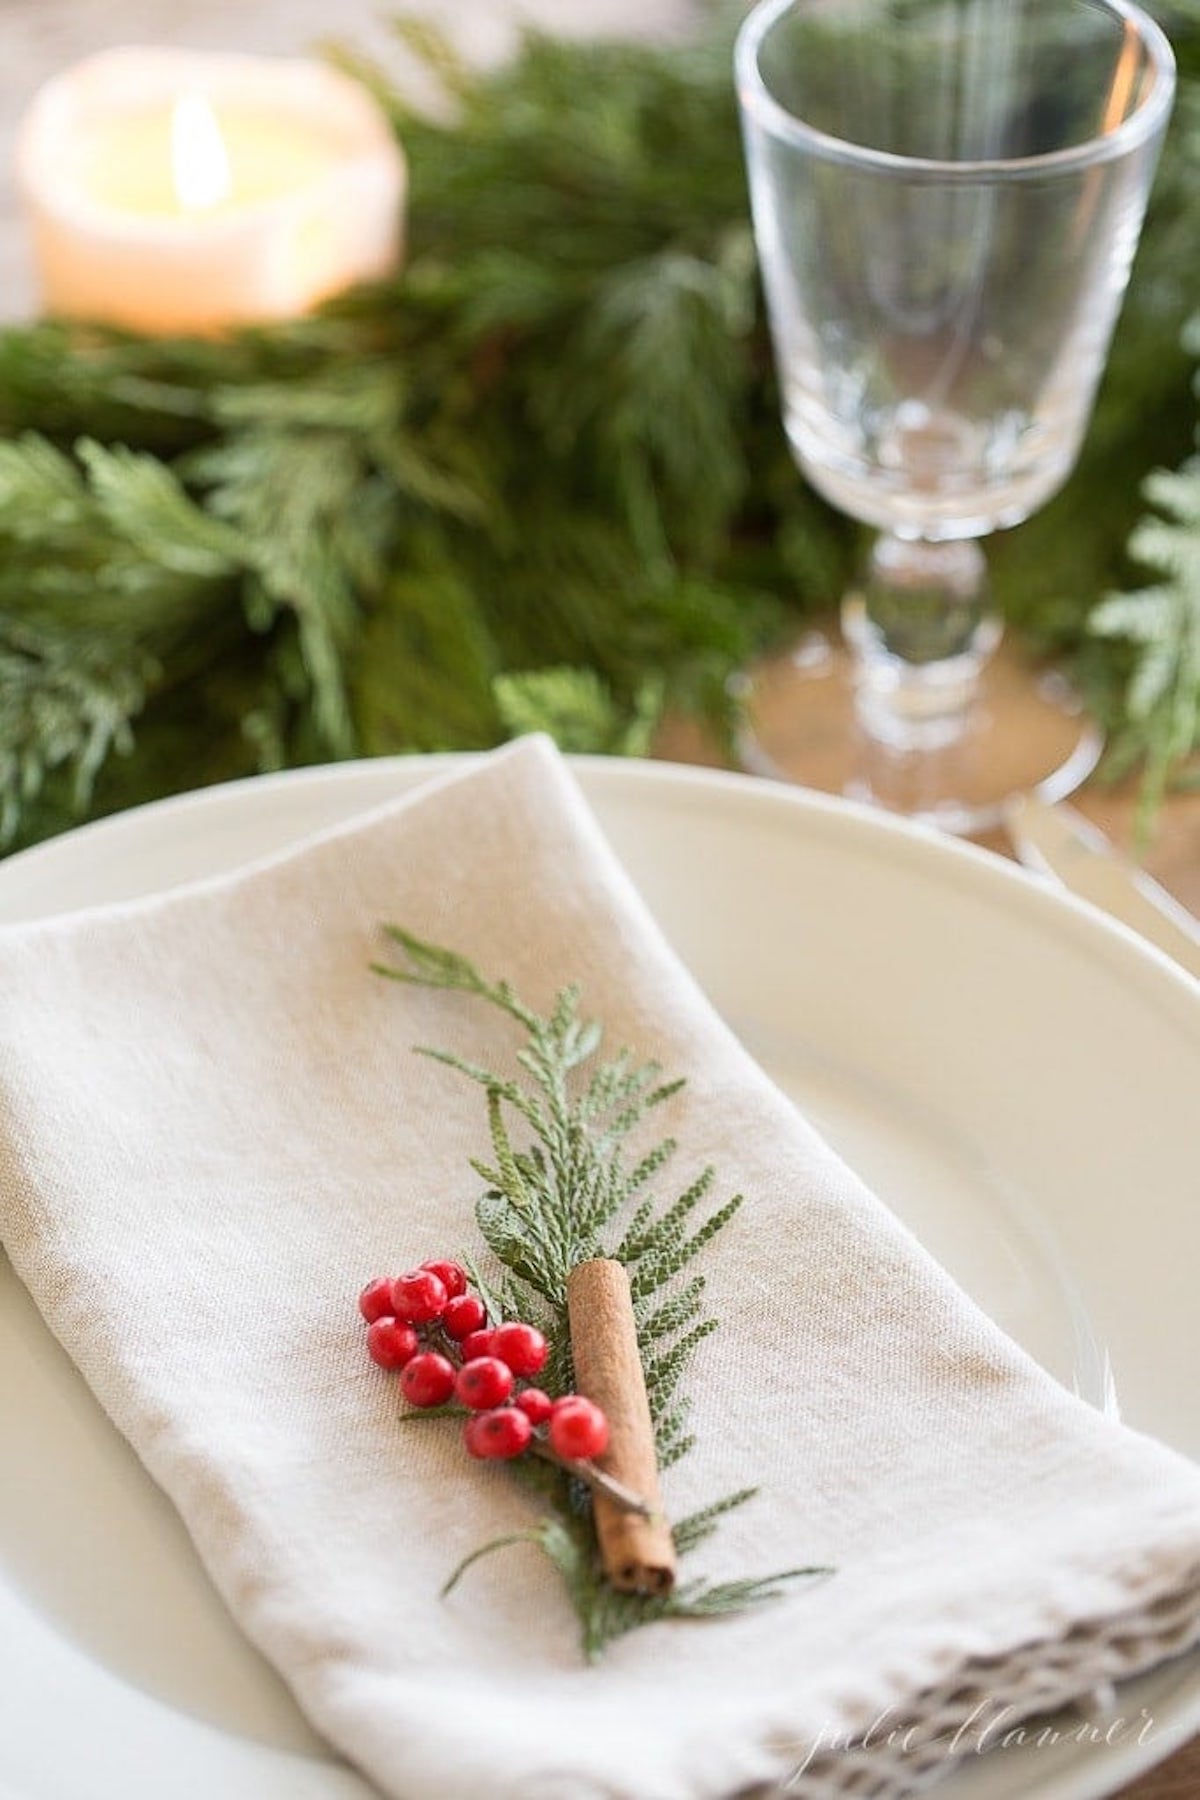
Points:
(38, 37)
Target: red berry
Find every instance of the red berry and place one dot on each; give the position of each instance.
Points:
(483, 1382)
(419, 1297)
(463, 1315)
(504, 1432)
(452, 1276)
(536, 1406)
(578, 1428)
(428, 1380)
(522, 1347)
(392, 1343)
(476, 1343)
(375, 1299)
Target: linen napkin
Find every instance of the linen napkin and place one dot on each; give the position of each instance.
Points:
(213, 1132)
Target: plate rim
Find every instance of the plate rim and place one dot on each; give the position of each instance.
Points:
(1046, 901)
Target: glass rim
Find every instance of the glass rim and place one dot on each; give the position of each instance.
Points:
(757, 103)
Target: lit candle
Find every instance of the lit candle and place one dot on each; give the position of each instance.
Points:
(171, 191)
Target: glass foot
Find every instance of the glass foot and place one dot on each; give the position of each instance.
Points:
(1027, 734)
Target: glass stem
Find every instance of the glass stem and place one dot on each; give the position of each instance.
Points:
(920, 629)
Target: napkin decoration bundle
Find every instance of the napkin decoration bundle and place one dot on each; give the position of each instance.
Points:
(213, 1131)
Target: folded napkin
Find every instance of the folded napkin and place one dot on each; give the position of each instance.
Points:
(213, 1132)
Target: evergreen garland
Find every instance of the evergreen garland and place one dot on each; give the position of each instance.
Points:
(568, 1195)
(537, 480)
(1164, 622)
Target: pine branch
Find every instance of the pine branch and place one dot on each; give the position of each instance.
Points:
(546, 1208)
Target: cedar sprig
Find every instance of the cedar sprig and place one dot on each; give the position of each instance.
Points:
(604, 1612)
(1161, 621)
(568, 1194)
(548, 1205)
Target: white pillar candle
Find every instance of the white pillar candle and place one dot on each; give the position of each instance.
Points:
(172, 191)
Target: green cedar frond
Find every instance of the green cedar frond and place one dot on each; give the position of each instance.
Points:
(605, 1613)
(667, 1231)
(511, 1183)
(64, 706)
(667, 1091)
(676, 1449)
(621, 1088)
(435, 967)
(42, 492)
(1162, 621)
(634, 1230)
(701, 1524)
(673, 1314)
(491, 1299)
(654, 326)
(549, 1204)
(142, 501)
(508, 1090)
(503, 1230)
(725, 1597)
(579, 710)
(651, 1163)
(664, 1372)
(500, 1543)
(652, 1271)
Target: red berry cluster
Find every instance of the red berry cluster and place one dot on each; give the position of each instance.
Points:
(426, 1324)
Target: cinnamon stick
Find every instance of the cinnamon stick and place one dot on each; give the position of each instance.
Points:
(636, 1549)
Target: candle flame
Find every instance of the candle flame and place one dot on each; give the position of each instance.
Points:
(199, 159)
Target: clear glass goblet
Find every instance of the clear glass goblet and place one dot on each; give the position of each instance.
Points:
(947, 196)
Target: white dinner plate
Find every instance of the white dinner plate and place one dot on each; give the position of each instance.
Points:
(1014, 1075)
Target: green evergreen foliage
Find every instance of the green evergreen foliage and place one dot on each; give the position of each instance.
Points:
(1163, 622)
(538, 479)
(559, 1200)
